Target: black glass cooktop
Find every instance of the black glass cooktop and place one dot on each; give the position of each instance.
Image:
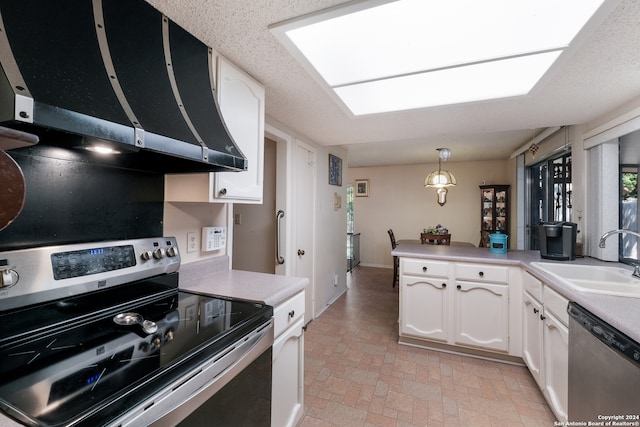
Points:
(67, 362)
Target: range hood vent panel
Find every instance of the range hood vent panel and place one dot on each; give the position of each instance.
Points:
(134, 33)
(193, 68)
(56, 48)
(154, 106)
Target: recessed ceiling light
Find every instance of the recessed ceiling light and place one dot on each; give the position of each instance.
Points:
(381, 55)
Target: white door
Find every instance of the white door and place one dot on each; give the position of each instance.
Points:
(304, 197)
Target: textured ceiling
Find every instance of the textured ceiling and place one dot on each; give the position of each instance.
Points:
(600, 75)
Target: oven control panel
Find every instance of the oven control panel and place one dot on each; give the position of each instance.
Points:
(36, 275)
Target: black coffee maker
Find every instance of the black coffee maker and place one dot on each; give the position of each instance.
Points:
(558, 240)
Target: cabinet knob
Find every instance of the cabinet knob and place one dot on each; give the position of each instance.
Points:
(444, 285)
(459, 287)
(536, 311)
(424, 269)
(542, 317)
(481, 274)
(291, 314)
(223, 191)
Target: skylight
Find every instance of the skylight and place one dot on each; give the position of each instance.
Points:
(379, 56)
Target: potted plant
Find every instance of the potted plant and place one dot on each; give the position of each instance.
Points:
(438, 235)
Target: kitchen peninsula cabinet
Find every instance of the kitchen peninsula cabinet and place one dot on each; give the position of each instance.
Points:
(546, 342)
(482, 306)
(288, 362)
(495, 211)
(462, 305)
(424, 300)
(241, 100)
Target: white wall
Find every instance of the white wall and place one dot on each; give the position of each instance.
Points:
(331, 231)
(254, 238)
(399, 200)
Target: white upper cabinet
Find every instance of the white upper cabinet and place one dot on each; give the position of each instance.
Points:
(241, 102)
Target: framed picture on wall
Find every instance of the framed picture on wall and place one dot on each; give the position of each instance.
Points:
(362, 188)
(335, 170)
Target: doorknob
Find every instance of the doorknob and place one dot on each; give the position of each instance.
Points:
(300, 252)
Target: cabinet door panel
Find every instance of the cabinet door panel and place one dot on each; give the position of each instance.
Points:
(532, 337)
(482, 315)
(424, 308)
(288, 377)
(556, 365)
(241, 101)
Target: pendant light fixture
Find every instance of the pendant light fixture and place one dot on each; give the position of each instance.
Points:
(441, 178)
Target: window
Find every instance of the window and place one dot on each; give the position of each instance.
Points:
(550, 188)
(353, 239)
(629, 212)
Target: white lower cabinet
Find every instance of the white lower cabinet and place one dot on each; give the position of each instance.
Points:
(556, 353)
(288, 363)
(458, 304)
(532, 337)
(425, 308)
(546, 342)
(482, 315)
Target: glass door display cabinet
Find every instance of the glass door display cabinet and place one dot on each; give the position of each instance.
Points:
(495, 211)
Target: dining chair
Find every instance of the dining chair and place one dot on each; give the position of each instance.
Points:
(396, 260)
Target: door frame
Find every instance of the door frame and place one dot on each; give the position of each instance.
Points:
(284, 194)
(286, 146)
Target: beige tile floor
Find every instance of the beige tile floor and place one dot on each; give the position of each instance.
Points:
(356, 373)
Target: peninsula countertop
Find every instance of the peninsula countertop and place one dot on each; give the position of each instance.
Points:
(623, 313)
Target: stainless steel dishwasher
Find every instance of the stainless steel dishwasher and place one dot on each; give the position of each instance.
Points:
(604, 371)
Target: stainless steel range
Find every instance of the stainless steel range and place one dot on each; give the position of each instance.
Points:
(101, 335)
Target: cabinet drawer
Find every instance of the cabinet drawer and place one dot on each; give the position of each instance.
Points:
(424, 267)
(287, 313)
(532, 285)
(484, 273)
(556, 304)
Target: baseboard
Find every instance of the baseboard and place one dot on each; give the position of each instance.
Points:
(463, 351)
(376, 265)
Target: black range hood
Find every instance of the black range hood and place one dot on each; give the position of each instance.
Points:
(113, 71)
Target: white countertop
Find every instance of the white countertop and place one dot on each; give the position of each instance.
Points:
(212, 276)
(623, 313)
(268, 289)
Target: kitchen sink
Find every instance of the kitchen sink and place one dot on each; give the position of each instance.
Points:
(594, 279)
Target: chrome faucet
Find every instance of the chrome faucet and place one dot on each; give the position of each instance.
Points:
(636, 267)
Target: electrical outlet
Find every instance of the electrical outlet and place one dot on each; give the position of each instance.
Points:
(237, 219)
(192, 241)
